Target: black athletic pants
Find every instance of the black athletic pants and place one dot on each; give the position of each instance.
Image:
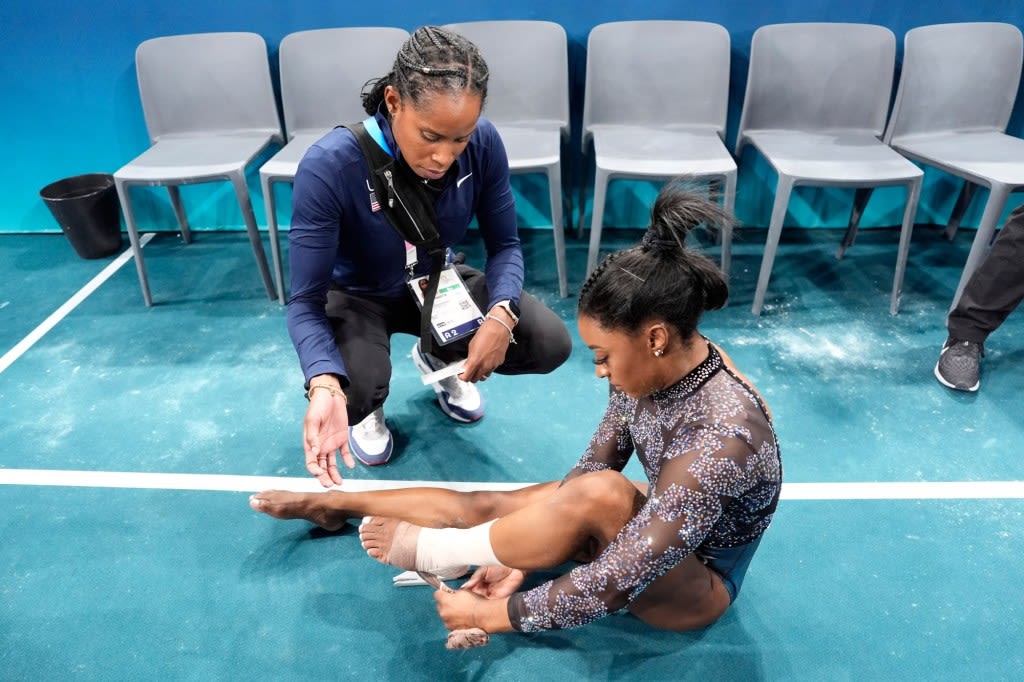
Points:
(363, 326)
(995, 289)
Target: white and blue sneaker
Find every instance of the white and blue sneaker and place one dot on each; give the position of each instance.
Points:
(458, 399)
(370, 440)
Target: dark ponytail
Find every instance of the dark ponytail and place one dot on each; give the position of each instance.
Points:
(661, 278)
(432, 60)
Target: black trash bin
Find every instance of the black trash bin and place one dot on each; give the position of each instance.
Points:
(87, 209)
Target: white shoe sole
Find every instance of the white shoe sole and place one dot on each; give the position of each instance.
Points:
(942, 380)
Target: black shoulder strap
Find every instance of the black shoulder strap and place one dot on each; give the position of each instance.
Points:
(406, 203)
(410, 210)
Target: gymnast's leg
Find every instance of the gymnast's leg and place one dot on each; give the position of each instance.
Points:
(689, 596)
(427, 507)
(581, 517)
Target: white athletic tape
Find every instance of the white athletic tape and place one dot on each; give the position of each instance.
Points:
(443, 373)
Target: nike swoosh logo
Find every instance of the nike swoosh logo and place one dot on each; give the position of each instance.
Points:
(458, 183)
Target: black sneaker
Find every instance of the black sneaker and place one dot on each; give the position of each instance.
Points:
(959, 365)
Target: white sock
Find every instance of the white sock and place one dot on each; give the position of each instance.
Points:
(439, 548)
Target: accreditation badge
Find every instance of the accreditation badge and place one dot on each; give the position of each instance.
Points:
(455, 315)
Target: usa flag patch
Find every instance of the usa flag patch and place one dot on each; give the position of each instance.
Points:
(374, 204)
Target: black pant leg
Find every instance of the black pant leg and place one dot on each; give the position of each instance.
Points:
(995, 289)
(362, 330)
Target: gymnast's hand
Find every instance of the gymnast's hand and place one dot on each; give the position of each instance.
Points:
(495, 582)
(463, 610)
(325, 431)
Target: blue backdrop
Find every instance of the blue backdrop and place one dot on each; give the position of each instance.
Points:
(72, 105)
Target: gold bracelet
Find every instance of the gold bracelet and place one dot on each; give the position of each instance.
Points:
(503, 323)
(330, 389)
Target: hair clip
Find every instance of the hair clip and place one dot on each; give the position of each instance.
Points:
(631, 274)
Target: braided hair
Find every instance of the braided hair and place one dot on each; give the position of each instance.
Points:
(432, 60)
(660, 278)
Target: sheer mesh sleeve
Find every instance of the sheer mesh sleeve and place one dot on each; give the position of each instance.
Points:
(612, 445)
(712, 460)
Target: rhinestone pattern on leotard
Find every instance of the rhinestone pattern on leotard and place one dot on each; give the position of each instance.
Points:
(712, 459)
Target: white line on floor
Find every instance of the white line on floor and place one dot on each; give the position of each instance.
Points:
(60, 313)
(215, 482)
(866, 490)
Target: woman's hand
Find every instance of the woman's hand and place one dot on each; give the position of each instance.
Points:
(488, 346)
(325, 431)
(495, 582)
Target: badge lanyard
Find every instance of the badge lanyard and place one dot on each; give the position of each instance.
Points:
(454, 314)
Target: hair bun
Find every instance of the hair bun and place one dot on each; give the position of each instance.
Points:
(656, 243)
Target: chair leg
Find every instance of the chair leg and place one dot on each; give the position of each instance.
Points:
(581, 209)
(179, 213)
(715, 192)
(242, 194)
(597, 217)
(986, 228)
(558, 227)
(782, 191)
(729, 203)
(860, 199)
(275, 246)
(133, 237)
(963, 200)
(906, 232)
(568, 212)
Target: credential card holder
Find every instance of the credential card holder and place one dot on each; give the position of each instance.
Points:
(455, 314)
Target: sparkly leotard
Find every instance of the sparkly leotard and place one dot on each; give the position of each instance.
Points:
(708, 449)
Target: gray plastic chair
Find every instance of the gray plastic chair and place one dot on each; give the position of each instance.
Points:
(528, 102)
(655, 101)
(815, 107)
(210, 110)
(322, 75)
(956, 93)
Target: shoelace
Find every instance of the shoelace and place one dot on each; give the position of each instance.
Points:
(373, 425)
(961, 349)
(455, 387)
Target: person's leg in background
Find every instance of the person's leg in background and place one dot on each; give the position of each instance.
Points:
(994, 290)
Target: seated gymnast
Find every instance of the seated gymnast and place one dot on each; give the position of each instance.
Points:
(673, 550)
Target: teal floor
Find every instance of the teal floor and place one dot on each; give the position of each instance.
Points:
(137, 579)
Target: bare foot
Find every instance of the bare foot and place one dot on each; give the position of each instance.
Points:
(390, 541)
(313, 507)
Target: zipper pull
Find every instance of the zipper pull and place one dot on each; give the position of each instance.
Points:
(391, 189)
